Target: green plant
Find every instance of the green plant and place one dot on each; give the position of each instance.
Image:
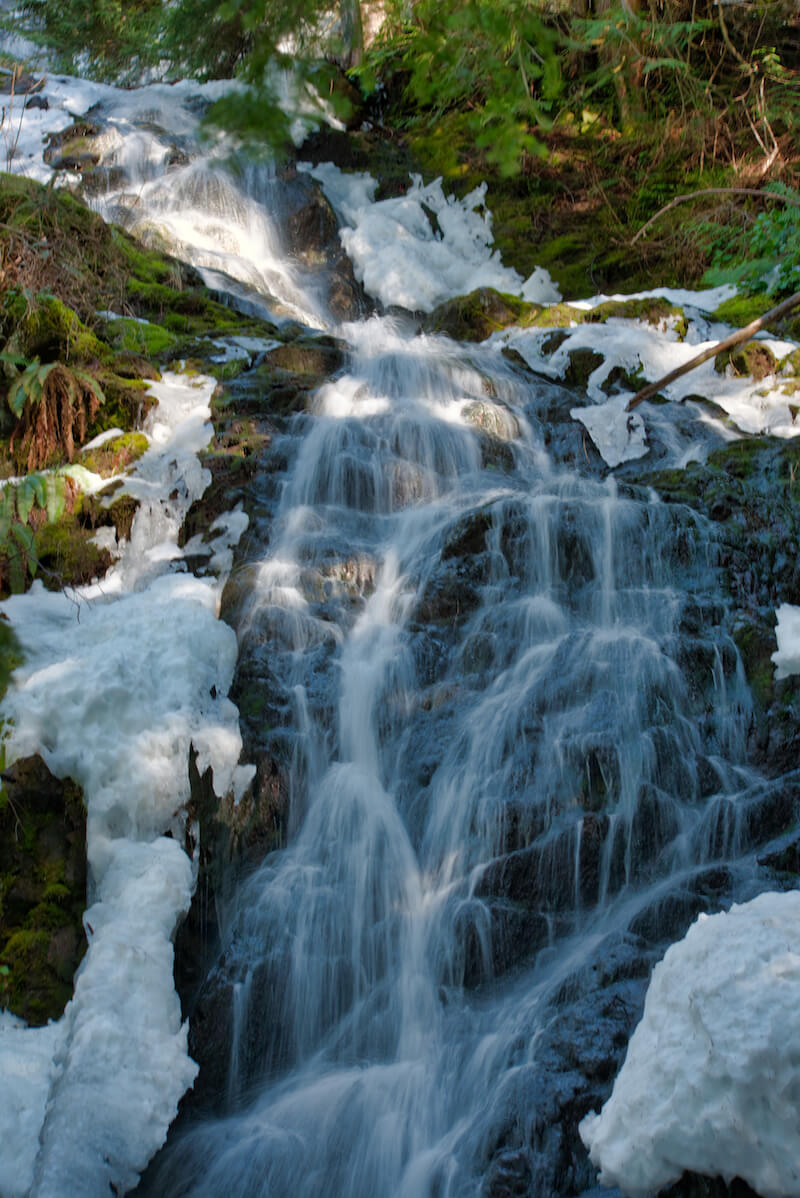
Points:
(18, 501)
(765, 256)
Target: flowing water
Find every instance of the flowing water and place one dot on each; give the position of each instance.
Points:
(518, 726)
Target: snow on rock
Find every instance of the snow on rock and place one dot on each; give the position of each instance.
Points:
(787, 632)
(711, 1081)
(404, 257)
(119, 679)
(639, 349)
(619, 435)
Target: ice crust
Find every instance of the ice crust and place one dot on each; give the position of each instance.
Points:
(403, 260)
(118, 680)
(711, 1080)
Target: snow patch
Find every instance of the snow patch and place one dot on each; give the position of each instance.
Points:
(618, 434)
(711, 1078)
(787, 632)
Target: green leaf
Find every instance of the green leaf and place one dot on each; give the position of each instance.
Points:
(55, 499)
(7, 505)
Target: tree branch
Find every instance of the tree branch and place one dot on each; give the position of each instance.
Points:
(707, 191)
(744, 334)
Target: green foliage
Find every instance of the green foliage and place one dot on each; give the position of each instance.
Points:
(119, 40)
(765, 256)
(18, 558)
(497, 61)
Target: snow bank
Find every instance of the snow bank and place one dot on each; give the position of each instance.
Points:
(711, 1080)
(419, 249)
(27, 1067)
(787, 632)
(118, 680)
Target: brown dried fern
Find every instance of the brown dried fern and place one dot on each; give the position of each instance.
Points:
(57, 411)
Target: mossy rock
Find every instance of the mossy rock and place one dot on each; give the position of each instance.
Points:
(66, 554)
(739, 459)
(136, 337)
(71, 149)
(558, 316)
(115, 455)
(756, 643)
(654, 310)
(317, 356)
(476, 316)
(54, 332)
(753, 358)
(11, 654)
(42, 889)
(582, 363)
(790, 365)
(742, 309)
(126, 405)
(130, 365)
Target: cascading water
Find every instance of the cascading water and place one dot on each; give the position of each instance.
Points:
(519, 731)
(507, 759)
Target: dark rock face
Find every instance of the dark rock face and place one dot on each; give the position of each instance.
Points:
(311, 230)
(42, 889)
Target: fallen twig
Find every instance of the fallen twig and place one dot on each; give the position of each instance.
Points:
(708, 191)
(744, 334)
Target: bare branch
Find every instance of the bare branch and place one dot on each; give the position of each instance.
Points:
(744, 334)
(708, 191)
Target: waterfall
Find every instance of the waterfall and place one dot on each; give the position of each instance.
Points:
(520, 768)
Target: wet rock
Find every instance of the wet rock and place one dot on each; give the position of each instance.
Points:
(73, 149)
(319, 356)
(476, 316)
(311, 230)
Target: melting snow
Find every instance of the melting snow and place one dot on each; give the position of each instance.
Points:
(118, 680)
(787, 632)
(710, 1081)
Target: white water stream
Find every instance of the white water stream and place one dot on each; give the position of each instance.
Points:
(512, 750)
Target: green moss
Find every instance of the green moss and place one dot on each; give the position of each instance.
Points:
(557, 316)
(742, 309)
(145, 265)
(791, 364)
(69, 558)
(756, 644)
(126, 403)
(476, 316)
(54, 332)
(754, 358)
(114, 456)
(151, 340)
(739, 459)
(11, 655)
(34, 987)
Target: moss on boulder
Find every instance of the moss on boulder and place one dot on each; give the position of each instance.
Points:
(42, 889)
(753, 358)
(115, 455)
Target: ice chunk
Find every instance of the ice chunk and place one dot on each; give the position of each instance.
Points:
(712, 1076)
